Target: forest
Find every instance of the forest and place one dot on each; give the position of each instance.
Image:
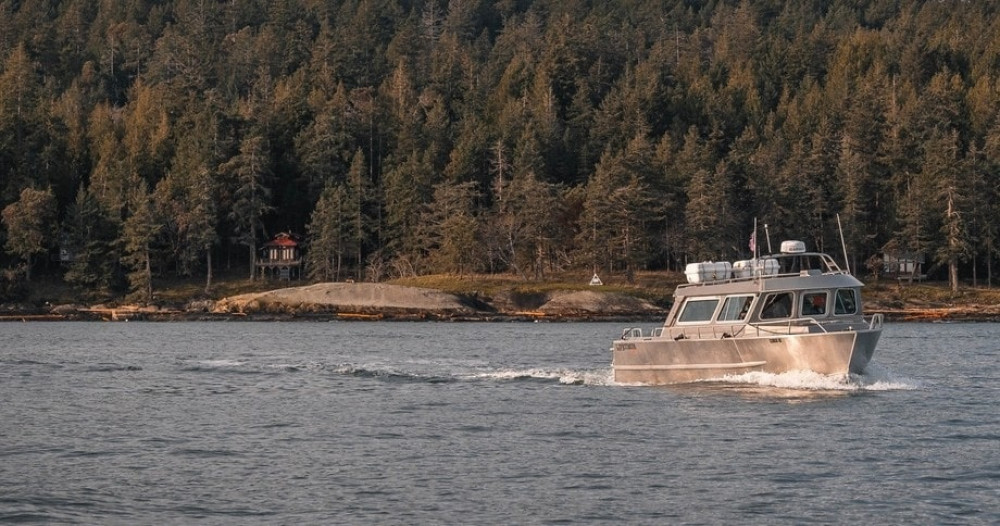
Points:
(147, 139)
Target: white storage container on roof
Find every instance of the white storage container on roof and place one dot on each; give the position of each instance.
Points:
(708, 271)
(759, 267)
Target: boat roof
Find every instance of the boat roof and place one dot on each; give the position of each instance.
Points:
(792, 271)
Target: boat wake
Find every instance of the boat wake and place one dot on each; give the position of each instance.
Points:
(563, 376)
(874, 378)
(429, 372)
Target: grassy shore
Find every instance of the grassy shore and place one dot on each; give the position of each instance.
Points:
(898, 300)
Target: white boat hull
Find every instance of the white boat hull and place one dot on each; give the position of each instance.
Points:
(663, 360)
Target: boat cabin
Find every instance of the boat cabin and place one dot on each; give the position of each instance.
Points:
(794, 288)
(766, 307)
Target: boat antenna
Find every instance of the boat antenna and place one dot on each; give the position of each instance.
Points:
(767, 234)
(755, 271)
(843, 245)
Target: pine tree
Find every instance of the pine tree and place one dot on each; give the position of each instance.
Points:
(30, 224)
(613, 224)
(138, 235)
(453, 229)
(250, 172)
(710, 218)
(407, 189)
(943, 169)
(22, 120)
(328, 236)
(359, 194)
(538, 205)
(92, 235)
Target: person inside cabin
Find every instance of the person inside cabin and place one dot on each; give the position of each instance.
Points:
(814, 304)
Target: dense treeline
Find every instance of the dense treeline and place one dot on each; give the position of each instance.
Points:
(172, 137)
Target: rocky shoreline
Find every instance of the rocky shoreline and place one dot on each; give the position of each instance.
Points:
(374, 301)
(362, 302)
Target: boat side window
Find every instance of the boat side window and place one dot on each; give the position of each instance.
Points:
(814, 303)
(698, 310)
(847, 302)
(735, 308)
(776, 305)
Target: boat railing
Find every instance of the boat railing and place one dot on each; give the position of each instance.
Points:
(719, 331)
(788, 326)
(630, 333)
(830, 268)
(759, 276)
(704, 332)
(634, 333)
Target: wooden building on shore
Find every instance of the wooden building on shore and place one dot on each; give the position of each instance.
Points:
(281, 258)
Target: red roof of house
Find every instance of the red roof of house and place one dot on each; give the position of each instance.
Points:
(282, 240)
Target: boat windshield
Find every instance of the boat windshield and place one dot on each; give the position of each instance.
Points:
(795, 263)
(776, 305)
(735, 308)
(846, 302)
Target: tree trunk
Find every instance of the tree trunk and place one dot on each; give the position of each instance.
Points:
(149, 277)
(952, 245)
(953, 273)
(208, 272)
(253, 263)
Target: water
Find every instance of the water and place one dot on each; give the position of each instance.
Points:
(469, 423)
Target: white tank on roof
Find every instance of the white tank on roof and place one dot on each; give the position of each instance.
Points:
(750, 267)
(708, 271)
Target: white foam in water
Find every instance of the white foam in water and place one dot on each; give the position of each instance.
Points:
(875, 378)
(222, 363)
(564, 376)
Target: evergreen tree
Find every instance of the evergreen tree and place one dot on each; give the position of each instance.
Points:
(250, 172)
(537, 204)
(943, 168)
(328, 236)
(811, 110)
(452, 229)
(92, 235)
(407, 189)
(24, 141)
(359, 193)
(138, 235)
(613, 224)
(30, 224)
(187, 199)
(712, 223)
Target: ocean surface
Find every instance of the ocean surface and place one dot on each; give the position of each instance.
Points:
(480, 423)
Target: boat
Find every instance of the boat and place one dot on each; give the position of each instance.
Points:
(791, 311)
